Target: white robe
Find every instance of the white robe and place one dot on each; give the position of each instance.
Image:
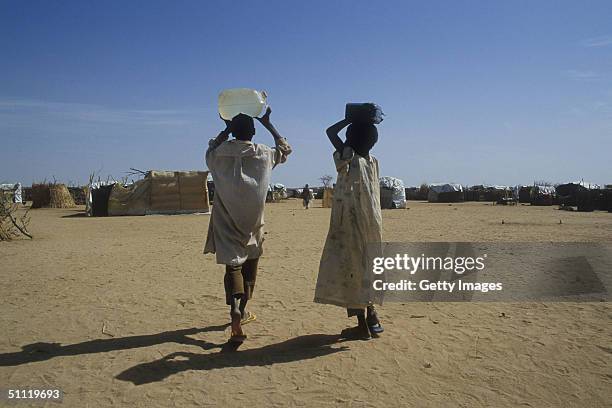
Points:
(241, 172)
(355, 235)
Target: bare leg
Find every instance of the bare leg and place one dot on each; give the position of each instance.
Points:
(249, 275)
(236, 316)
(234, 291)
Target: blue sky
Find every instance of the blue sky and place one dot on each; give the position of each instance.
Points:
(474, 91)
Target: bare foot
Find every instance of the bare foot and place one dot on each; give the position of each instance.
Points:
(236, 326)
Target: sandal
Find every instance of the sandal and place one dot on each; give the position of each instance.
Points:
(376, 328)
(373, 323)
(250, 317)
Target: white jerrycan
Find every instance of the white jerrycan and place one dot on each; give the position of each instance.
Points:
(241, 100)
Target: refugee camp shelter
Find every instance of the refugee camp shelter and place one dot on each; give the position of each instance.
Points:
(522, 193)
(488, 192)
(417, 193)
(54, 195)
(543, 195)
(568, 193)
(78, 194)
(445, 193)
(583, 195)
(159, 192)
(392, 193)
(96, 198)
(276, 193)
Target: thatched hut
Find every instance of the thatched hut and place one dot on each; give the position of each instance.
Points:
(60, 196)
(52, 195)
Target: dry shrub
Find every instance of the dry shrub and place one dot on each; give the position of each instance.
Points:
(12, 225)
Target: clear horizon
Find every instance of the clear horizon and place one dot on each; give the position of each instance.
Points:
(474, 92)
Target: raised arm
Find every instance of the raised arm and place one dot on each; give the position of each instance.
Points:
(282, 149)
(265, 121)
(332, 133)
(222, 136)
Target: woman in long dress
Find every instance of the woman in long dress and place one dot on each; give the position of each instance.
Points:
(355, 230)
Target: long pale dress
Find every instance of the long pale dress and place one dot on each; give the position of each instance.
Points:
(355, 234)
(241, 172)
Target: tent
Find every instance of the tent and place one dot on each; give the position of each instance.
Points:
(542, 195)
(488, 192)
(570, 193)
(392, 193)
(583, 195)
(276, 192)
(445, 193)
(96, 198)
(159, 192)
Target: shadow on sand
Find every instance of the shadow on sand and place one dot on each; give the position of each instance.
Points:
(296, 349)
(45, 351)
(80, 214)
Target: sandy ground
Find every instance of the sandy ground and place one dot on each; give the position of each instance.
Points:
(127, 311)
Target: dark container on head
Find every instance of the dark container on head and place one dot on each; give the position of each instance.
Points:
(364, 113)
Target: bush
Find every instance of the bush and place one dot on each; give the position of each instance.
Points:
(12, 226)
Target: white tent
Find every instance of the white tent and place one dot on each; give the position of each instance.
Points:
(392, 193)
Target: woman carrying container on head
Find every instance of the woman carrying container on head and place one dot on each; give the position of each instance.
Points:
(241, 172)
(355, 231)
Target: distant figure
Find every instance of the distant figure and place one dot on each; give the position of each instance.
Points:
(355, 230)
(307, 196)
(17, 198)
(241, 172)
